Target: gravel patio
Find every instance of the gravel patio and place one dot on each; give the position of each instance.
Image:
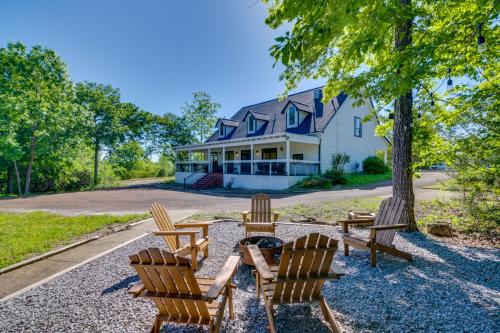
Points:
(445, 289)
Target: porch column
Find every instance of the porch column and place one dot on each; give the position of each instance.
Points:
(208, 159)
(190, 160)
(251, 158)
(223, 159)
(287, 158)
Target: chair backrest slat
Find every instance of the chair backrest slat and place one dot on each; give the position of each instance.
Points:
(390, 212)
(164, 223)
(302, 265)
(261, 208)
(166, 272)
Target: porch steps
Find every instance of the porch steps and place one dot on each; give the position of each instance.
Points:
(209, 180)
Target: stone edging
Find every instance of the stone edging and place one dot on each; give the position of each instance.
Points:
(66, 248)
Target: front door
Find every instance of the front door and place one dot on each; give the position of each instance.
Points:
(214, 160)
(246, 155)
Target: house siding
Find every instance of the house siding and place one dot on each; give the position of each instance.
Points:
(338, 136)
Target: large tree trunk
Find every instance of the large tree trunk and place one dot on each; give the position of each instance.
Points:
(96, 163)
(18, 178)
(401, 152)
(29, 170)
(10, 179)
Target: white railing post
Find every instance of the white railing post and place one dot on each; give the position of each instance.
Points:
(287, 157)
(190, 159)
(251, 158)
(223, 159)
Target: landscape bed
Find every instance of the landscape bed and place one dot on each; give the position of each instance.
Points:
(445, 289)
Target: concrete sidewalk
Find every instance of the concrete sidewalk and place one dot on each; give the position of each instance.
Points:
(24, 277)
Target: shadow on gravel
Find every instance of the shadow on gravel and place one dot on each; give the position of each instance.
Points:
(123, 284)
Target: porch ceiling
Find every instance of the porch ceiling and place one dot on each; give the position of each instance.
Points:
(265, 139)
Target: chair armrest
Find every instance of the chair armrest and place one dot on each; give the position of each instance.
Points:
(345, 223)
(176, 233)
(354, 215)
(136, 289)
(276, 216)
(223, 278)
(260, 263)
(244, 215)
(388, 227)
(192, 225)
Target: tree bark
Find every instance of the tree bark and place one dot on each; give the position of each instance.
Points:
(96, 163)
(10, 179)
(401, 152)
(29, 170)
(18, 178)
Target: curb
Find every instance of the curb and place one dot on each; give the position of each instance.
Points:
(66, 248)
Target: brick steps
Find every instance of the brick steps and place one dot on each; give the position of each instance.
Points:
(208, 181)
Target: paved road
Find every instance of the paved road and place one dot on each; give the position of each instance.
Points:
(138, 198)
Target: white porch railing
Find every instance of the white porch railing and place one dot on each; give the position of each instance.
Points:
(271, 167)
(191, 166)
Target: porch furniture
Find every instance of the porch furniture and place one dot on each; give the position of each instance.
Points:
(304, 266)
(270, 247)
(171, 235)
(260, 216)
(382, 231)
(356, 215)
(169, 281)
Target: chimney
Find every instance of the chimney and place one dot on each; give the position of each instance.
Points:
(318, 105)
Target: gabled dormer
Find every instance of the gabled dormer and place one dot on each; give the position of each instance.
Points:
(225, 127)
(254, 121)
(295, 113)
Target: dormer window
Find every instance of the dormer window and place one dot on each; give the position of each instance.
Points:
(222, 130)
(251, 125)
(292, 117)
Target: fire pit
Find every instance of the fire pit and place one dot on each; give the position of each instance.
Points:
(269, 246)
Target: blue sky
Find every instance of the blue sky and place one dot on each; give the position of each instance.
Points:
(157, 52)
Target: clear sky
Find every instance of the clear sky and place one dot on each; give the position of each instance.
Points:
(157, 52)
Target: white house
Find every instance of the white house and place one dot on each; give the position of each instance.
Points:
(274, 144)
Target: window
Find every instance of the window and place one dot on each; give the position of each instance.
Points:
(358, 129)
(292, 117)
(269, 153)
(251, 125)
(222, 130)
(298, 157)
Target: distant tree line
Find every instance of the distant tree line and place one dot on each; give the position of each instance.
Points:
(57, 135)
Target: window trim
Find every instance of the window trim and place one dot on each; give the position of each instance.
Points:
(252, 120)
(298, 157)
(293, 109)
(222, 130)
(356, 134)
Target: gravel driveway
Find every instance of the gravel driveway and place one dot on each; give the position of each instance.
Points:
(138, 198)
(446, 289)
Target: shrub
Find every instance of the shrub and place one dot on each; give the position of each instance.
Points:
(339, 161)
(316, 182)
(335, 177)
(374, 165)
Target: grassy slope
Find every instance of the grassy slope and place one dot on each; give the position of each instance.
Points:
(358, 179)
(24, 235)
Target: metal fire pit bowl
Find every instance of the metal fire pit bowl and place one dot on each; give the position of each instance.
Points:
(270, 247)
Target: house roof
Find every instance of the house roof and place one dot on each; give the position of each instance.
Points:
(228, 122)
(275, 119)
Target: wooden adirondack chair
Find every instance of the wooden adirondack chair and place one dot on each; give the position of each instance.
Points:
(168, 280)
(260, 216)
(304, 266)
(382, 231)
(169, 232)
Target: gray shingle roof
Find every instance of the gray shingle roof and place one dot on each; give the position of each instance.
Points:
(228, 122)
(275, 119)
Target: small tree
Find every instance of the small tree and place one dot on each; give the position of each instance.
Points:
(200, 115)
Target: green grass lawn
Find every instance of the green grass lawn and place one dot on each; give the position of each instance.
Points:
(358, 179)
(24, 235)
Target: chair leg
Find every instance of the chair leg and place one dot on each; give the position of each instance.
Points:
(257, 280)
(205, 252)
(156, 325)
(270, 316)
(327, 313)
(230, 300)
(194, 259)
(373, 251)
(346, 249)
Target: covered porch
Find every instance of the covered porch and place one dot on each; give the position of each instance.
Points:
(248, 162)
